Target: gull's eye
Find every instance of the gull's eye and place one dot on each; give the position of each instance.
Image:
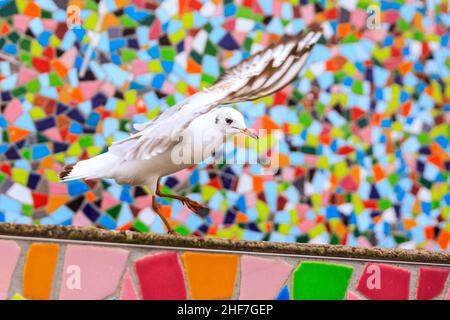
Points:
(229, 121)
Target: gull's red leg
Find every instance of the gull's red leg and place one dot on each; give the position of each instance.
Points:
(155, 207)
(191, 204)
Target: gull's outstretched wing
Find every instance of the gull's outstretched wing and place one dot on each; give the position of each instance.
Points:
(270, 70)
(258, 76)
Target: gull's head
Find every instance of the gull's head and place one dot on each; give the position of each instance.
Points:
(231, 121)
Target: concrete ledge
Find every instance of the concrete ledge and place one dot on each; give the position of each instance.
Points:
(152, 239)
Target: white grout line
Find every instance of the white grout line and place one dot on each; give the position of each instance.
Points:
(132, 245)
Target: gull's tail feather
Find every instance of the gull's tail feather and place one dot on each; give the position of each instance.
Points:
(95, 168)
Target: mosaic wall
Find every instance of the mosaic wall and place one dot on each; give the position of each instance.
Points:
(365, 153)
(31, 270)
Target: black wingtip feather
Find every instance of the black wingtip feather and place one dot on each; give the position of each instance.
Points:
(66, 171)
(316, 27)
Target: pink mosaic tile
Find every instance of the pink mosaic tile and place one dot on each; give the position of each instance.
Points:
(10, 253)
(128, 291)
(91, 272)
(352, 296)
(255, 282)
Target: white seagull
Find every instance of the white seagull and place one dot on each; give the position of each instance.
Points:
(148, 154)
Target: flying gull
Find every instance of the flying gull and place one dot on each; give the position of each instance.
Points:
(148, 154)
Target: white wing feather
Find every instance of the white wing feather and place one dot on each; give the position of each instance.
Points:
(260, 75)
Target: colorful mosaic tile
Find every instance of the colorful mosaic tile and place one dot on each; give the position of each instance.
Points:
(160, 277)
(364, 151)
(18, 296)
(128, 291)
(284, 294)
(352, 296)
(91, 273)
(320, 281)
(210, 276)
(431, 283)
(10, 252)
(384, 282)
(39, 270)
(255, 285)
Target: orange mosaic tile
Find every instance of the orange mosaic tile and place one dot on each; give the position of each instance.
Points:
(39, 270)
(210, 276)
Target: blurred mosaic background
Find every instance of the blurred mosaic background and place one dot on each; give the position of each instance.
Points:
(365, 157)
